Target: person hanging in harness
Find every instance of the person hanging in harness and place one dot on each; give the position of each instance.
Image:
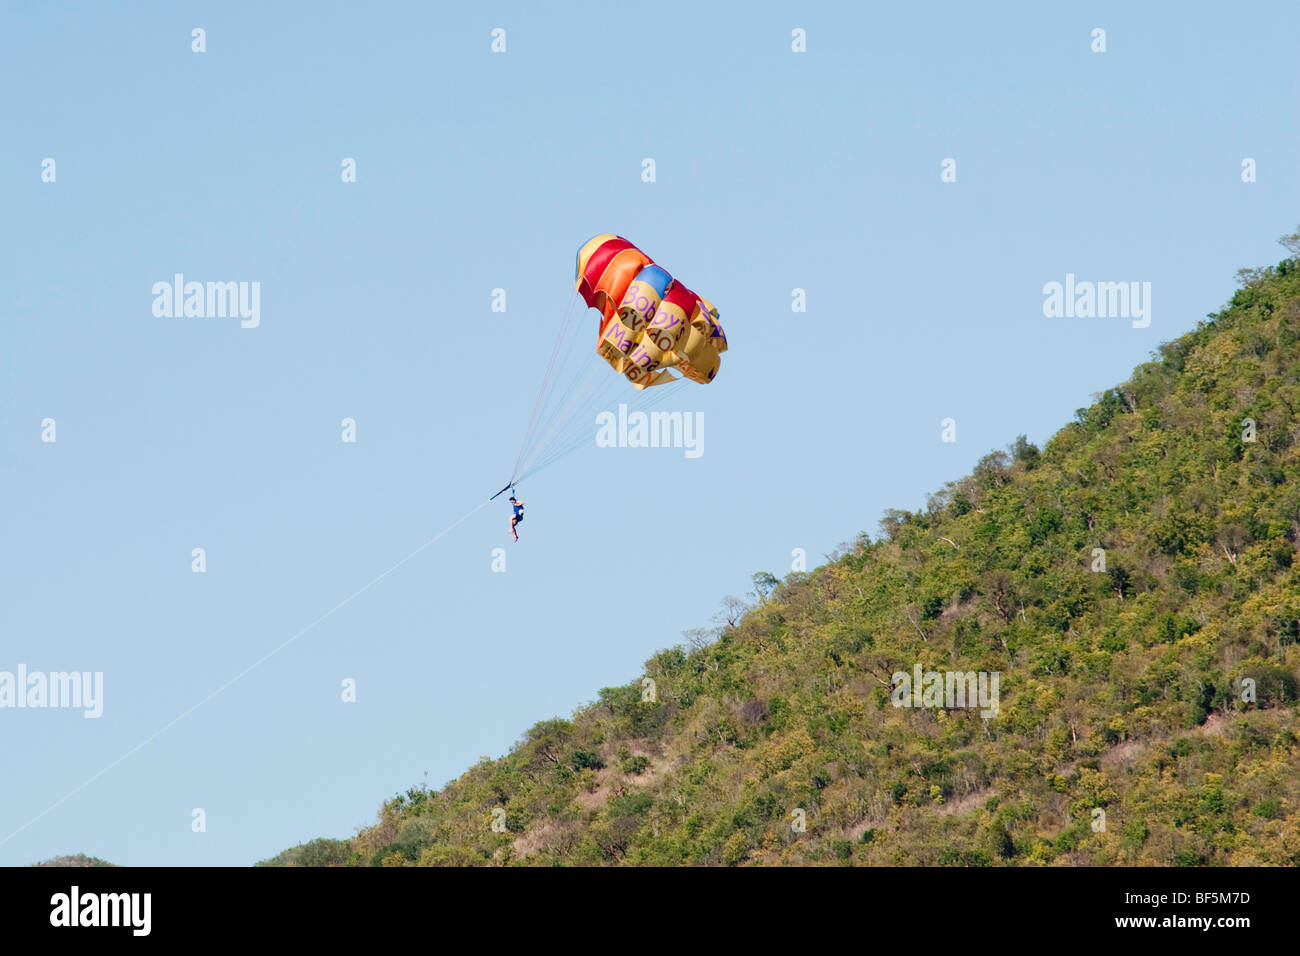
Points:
(517, 517)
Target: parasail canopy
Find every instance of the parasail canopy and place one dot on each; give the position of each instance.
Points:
(651, 324)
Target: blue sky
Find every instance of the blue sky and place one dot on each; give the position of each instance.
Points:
(775, 170)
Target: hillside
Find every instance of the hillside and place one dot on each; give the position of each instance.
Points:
(76, 860)
(1127, 583)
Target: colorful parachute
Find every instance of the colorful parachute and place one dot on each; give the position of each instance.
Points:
(651, 322)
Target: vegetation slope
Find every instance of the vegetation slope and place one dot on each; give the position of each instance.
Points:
(75, 860)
